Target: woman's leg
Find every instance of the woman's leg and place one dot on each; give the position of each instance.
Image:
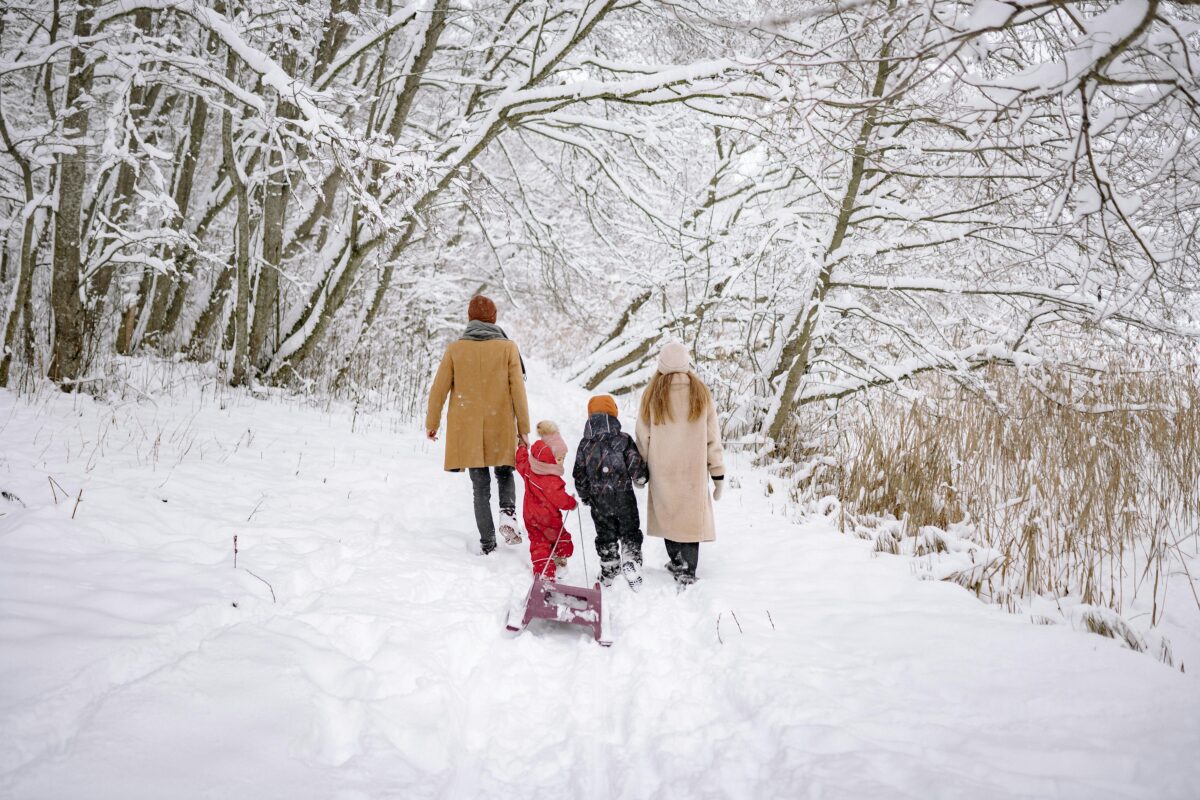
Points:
(674, 561)
(481, 489)
(684, 558)
(691, 554)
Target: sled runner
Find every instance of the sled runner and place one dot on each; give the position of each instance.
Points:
(573, 605)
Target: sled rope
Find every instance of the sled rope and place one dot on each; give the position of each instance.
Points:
(582, 549)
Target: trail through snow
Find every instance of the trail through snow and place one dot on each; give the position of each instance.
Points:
(127, 670)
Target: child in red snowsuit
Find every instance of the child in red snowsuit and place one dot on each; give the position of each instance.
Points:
(545, 499)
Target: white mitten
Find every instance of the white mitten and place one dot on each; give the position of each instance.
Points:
(718, 489)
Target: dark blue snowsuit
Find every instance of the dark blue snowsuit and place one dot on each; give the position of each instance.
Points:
(607, 466)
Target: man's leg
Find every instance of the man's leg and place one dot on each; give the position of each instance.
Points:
(507, 487)
(481, 489)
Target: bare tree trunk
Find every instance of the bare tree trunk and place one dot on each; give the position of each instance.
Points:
(404, 103)
(276, 196)
(333, 34)
(794, 357)
(161, 288)
(119, 206)
(165, 313)
(238, 373)
(212, 313)
(346, 279)
(25, 262)
(66, 362)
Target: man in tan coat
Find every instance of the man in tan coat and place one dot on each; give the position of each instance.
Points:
(483, 375)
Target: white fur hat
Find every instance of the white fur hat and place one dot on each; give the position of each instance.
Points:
(674, 358)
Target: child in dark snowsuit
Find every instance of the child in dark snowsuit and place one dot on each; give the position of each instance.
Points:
(607, 467)
(545, 499)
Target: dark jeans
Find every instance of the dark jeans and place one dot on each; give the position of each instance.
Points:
(615, 515)
(481, 486)
(685, 556)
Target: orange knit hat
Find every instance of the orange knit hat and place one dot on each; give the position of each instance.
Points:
(602, 403)
(482, 308)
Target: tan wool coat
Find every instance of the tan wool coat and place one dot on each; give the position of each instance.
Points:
(488, 407)
(681, 455)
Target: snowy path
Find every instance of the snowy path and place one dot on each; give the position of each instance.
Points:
(383, 671)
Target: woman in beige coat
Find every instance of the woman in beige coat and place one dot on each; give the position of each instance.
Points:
(483, 376)
(678, 436)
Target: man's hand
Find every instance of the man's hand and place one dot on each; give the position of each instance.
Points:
(431, 435)
(523, 438)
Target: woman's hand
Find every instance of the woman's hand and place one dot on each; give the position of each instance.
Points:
(718, 486)
(431, 435)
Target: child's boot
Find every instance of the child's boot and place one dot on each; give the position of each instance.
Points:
(633, 574)
(631, 566)
(608, 572)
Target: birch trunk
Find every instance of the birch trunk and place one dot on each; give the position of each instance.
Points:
(66, 361)
(239, 370)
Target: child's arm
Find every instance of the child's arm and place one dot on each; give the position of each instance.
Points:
(523, 460)
(580, 476)
(635, 465)
(558, 497)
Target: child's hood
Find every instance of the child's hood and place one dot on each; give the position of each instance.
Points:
(557, 445)
(601, 424)
(542, 452)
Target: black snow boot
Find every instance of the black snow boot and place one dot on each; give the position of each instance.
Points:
(608, 572)
(685, 557)
(631, 563)
(633, 574)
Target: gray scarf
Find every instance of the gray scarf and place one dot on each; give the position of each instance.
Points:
(480, 331)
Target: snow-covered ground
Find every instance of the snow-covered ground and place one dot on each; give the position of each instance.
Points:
(137, 662)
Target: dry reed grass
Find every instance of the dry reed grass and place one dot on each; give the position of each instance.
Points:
(1081, 487)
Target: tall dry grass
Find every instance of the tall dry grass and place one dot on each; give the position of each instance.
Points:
(1080, 486)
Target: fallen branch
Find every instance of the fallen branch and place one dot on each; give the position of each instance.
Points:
(262, 500)
(268, 583)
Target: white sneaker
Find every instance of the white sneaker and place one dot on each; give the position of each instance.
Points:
(509, 529)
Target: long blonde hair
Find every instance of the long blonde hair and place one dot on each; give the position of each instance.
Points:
(656, 401)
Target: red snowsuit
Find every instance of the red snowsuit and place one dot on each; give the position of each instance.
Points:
(545, 499)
